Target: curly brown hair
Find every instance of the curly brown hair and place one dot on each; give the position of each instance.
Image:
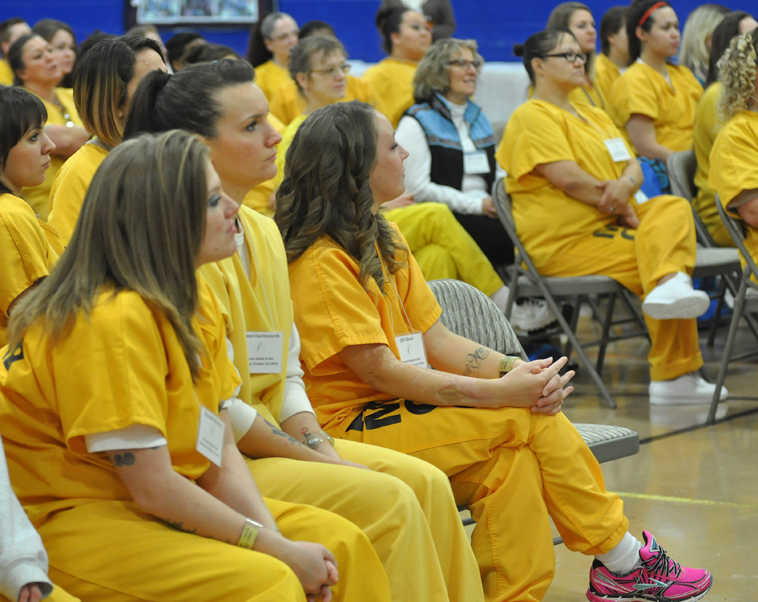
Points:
(738, 68)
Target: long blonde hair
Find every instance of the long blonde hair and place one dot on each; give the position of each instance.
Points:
(140, 229)
(738, 68)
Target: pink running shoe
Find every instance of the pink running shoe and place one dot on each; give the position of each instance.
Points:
(658, 579)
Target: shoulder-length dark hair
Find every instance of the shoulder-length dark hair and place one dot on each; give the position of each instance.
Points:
(722, 35)
(326, 190)
(638, 15)
(47, 28)
(140, 229)
(20, 112)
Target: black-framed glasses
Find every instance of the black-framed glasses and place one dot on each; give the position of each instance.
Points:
(571, 57)
(334, 70)
(464, 63)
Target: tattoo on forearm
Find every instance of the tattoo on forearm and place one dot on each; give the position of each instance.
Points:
(178, 526)
(474, 360)
(280, 433)
(124, 459)
(451, 396)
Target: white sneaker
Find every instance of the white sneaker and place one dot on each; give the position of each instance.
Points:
(529, 315)
(675, 299)
(688, 389)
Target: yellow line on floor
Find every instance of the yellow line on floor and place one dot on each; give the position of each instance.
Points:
(684, 500)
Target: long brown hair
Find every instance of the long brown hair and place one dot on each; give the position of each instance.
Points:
(140, 229)
(326, 190)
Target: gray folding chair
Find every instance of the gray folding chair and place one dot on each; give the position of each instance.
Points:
(527, 281)
(742, 303)
(681, 167)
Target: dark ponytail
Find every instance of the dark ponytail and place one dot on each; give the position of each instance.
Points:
(537, 46)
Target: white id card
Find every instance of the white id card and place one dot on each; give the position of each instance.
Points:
(411, 349)
(210, 436)
(640, 197)
(264, 352)
(618, 149)
(475, 162)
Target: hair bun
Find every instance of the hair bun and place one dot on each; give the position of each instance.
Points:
(518, 49)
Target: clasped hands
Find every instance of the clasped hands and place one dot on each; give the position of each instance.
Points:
(615, 201)
(539, 386)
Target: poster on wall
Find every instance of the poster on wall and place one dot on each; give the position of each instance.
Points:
(196, 11)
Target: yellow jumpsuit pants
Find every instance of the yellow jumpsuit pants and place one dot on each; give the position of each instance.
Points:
(404, 505)
(57, 595)
(110, 551)
(663, 243)
(442, 246)
(515, 470)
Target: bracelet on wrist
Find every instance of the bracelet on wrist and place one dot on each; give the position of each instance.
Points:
(249, 534)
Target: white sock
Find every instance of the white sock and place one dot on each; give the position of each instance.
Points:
(500, 297)
(625, 557)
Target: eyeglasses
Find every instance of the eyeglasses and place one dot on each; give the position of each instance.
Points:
(334, 70)
(571, 57)
(464, 63)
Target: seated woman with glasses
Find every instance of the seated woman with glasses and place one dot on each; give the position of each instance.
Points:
(441, 245)
(654, 100)
(579, 210)
(733, 175)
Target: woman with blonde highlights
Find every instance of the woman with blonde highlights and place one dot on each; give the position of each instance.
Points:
(733, 175)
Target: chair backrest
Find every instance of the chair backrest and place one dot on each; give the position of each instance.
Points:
(735, 231)
(470, 313)
(681, 167)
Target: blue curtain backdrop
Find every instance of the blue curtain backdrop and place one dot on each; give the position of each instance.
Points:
(495, 24)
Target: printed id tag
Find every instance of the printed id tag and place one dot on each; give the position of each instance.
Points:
(475, 162)
(264, 352)
(618, 149)
(411, 349)
(640, 197)
(210, 436)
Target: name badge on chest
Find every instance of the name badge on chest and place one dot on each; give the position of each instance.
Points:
(618, 149)
(475, 162)
(411, 349)
(210, 436)
(264, 352)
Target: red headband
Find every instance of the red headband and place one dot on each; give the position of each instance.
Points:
(650, 11)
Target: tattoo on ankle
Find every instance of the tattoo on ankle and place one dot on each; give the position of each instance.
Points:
(474, 360)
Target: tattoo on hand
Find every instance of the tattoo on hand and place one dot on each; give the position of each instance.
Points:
(281, 433)
(125, 459)
(474, 360)
(178, 526)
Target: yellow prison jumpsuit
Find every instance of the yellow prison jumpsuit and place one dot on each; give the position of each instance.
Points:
(440, 244)
(288, 103)
(120, 366)
(269, 77)
(605, 73)
(566, 237)
(642, 90)
(514, 469)
(25, 253)
(39, 196)
(70, 187)
(391, 83)
(707, 126)
(6, 73)
(733, 170)
(430, 537)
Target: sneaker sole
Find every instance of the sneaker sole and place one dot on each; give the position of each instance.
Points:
(683, 309)
(677, 400)
(593, 597)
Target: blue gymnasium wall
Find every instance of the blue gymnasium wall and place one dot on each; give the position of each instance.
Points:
(495, 24)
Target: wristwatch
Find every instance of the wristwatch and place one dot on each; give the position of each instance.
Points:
(313, 440)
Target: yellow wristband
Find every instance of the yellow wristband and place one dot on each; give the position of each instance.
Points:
(249, 533)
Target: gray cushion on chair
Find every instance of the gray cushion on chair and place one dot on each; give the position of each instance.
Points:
(475, 316)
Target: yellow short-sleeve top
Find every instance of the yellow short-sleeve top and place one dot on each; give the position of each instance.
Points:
(269, 77)
(258, 303)
(539, 132)
(606, 72)
(39, 196)
(288, 103)
(391, 83)
(25, 253)
(333, 311)
(642, 90)
(733, 160)
(259, 197)
(70, 187)
(122, 365)
(6, 73)
(707, 126)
